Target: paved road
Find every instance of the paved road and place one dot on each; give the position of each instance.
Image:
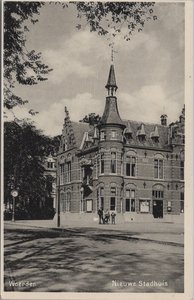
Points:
(89, 260)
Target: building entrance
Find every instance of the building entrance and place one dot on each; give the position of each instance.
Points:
(158, 208)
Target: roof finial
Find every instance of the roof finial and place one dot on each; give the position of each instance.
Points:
(66, 112)
(112, 52)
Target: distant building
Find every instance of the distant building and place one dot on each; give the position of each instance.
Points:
(133, 168)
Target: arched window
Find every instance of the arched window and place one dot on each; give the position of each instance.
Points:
(158, 191)
(62, 200)
(130, 165)
(158, 166)
(130, 200)
(101, 197)
(68, 202)
(62, 173)
(113, 198)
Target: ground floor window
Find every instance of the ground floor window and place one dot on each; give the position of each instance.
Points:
(112, 203)
(113, 198)
(101, 204)
(130, 200)
(144, 206)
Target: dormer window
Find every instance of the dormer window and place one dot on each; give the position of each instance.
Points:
(155, 135)
(141, 133)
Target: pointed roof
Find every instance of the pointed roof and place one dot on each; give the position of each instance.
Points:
(141, 131)
(111, 85)
(155, 134)
(128, 128)
(111, 113)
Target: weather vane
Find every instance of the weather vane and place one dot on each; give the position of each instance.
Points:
(112, 52)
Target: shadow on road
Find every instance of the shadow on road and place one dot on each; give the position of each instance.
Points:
(87, 260)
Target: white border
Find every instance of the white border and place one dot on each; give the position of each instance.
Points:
(188, 275)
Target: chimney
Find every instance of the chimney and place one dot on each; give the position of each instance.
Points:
(163, 119)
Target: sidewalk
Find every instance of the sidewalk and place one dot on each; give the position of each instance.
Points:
(169, 233)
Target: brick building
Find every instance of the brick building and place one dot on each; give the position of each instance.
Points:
(134, 168)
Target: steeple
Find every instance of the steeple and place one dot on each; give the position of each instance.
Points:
(111, 85)
(111, 113)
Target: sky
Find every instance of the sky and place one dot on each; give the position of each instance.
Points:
(149, 69)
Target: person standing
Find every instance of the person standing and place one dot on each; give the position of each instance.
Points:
(100, 215)
(113, 215)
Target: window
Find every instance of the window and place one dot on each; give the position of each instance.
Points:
(103, 135)
(65, 145)
(182, 202)
(62, 200)
(130, 200)
(113, 198)
(158, 168)
(158, 194)
(62, 171)
(182, 170)
(113, 162)
(121, 164)
(144, 206)
(130, 166)
(102, 197)
(113, 135)
(102, 163)
(50, 165)
(68, 171)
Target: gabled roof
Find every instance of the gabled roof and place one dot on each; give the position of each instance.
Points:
(79, 128)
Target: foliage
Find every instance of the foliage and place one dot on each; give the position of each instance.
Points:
(25, 66)
(20, 64)
(24, 151)
(91, 118)
(113, 18)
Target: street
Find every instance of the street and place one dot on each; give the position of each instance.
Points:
(89, 260)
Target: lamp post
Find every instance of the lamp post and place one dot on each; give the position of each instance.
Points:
(58, 196)
(58, 205)
(14, 194)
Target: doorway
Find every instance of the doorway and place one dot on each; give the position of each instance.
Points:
(158, 208)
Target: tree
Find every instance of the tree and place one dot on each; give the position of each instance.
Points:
(91, 118)
(25, 66)
(25, 149)
(109, 18)
(20, 64)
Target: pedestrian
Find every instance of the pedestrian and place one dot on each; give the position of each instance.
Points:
(107, 216)
(100, 215)
(103, 216)
(113, 215)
